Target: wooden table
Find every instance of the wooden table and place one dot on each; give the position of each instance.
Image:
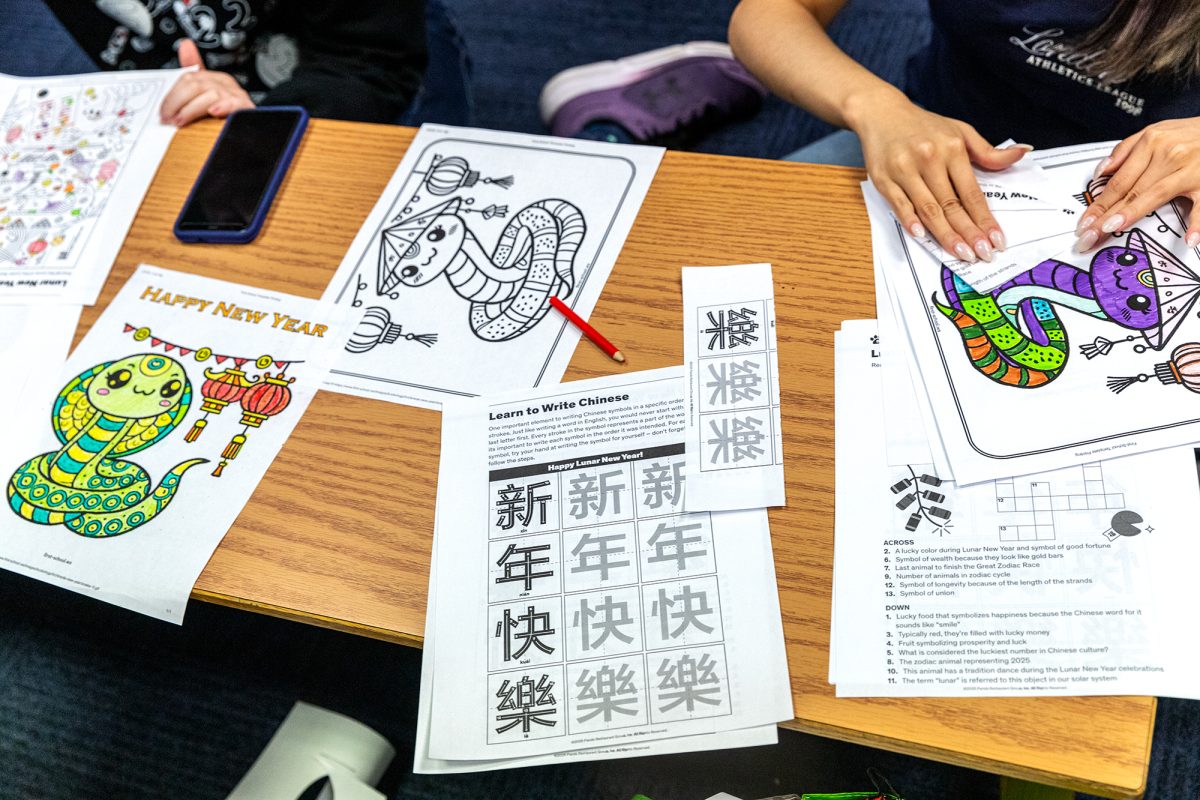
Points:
(338, 533)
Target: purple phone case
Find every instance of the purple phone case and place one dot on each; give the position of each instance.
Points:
(249, 233)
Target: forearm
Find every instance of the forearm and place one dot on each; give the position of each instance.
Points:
(784, 43)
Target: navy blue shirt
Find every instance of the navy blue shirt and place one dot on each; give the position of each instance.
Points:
(1011, 69)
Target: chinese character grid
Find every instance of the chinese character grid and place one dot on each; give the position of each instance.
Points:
(737, 387)
(604, 608)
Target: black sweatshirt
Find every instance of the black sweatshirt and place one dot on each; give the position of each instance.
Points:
(349, 59)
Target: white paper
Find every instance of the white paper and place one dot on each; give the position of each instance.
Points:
(452, 271)
(642, 623)
(133, 522)
(1061, 583)
(77, 155)
(314, 743)
(1111, 391)
(734, 433)
(34, 341)
(423, 764)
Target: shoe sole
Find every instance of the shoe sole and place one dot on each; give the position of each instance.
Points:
(571, 83)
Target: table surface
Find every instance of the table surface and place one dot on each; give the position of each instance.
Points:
(349, 549)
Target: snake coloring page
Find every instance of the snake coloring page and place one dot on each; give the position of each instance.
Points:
(451, 275)
(156, 432)
(77, 154)
(1077, 358)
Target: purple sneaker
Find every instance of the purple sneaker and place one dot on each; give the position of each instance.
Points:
(667, 95)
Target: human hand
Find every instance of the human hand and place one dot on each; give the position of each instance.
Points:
(201, 93)
(921, 163)
(1154, 166)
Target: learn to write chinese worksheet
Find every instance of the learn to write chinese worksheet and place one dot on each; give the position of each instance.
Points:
(577, 604)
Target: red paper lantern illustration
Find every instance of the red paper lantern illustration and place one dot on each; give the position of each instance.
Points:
(1183, 368)
(219, 390)
(259, 403)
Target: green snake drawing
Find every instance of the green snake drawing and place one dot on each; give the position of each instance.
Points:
(510, 289)
(112, 409)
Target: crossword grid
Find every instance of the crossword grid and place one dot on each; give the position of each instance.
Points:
(1033, 514)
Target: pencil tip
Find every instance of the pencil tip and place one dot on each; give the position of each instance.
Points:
(619, 356)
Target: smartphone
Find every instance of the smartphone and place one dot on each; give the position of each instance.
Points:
(229, 201)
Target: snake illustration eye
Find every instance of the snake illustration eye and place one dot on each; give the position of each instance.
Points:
(170, 388)
(437, 234)
(1127, 259)
(118, 379)
(1138, 302)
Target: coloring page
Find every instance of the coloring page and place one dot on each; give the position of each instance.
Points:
(34, 341)
(451, 275)
(1065, 582)
(161, 424)
(77, 155)
(734, 432)
(1079, 357)
(580, 606)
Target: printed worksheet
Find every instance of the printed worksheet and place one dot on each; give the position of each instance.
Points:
(34, 341)
(160, 426)
(577, 604)
(452, 273)
(730, 351)
(1069, 582)
(77, 156)
(423, 764)
(1079, 358)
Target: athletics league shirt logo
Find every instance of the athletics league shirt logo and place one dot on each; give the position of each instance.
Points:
(1046, 51)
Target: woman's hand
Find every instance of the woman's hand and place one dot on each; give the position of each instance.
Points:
(921, 163)
(201, 93)
(1149, 169)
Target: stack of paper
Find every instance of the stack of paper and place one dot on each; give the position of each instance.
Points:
(1014, 509)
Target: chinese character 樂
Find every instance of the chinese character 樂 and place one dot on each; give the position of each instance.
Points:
(732, 328)
(527, 702)
(743, 440)
(733, 382)
(690, 682)
(608, 691)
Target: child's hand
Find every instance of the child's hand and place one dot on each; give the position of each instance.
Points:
(201, 93)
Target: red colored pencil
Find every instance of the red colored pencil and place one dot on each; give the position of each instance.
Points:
(588, 331)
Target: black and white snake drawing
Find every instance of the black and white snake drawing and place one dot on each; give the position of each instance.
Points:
(510, 289)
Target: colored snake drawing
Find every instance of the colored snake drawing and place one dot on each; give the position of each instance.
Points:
(1013, 334)
(113, 409)
(510, 289)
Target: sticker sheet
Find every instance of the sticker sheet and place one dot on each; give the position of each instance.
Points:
(451, 275)
(1066, 582)
(157, 431)
(1078, 358)
(734, 432)
(77, 155)
(577, 605)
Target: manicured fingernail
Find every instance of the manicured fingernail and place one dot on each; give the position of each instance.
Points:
(984, 250)
(998, 239)
(1113, 223)
(1025, 147)
(1086, 241)
(1103, 165)
(917, 230)
(1193, 238)
(964, 252)
(1085, 223)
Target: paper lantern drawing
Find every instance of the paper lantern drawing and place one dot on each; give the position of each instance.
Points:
(1183, 369)
(260, 402)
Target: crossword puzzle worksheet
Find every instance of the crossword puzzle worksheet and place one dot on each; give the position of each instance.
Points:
(587, 608)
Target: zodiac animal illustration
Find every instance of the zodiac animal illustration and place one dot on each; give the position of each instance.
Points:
(112, 409)
(1014, 336)
(510, 289)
